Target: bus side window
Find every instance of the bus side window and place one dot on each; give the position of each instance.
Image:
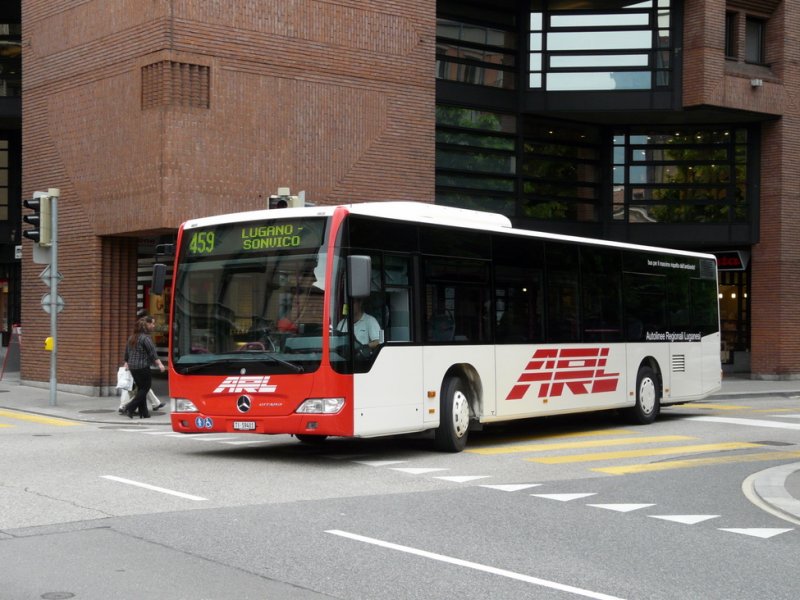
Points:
(397, 298)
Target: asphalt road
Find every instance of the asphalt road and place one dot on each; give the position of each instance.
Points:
(580, 507)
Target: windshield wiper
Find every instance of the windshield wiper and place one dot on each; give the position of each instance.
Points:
(235, 361)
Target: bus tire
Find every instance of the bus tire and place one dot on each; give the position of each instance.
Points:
(648, 398)
(311, 439)
(451, 435)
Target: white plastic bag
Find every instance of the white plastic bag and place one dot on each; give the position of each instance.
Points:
(124, 379)
(153, 399)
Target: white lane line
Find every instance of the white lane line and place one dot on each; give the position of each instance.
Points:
(564, 497)
(417, 470)
(511, 487)
(684, 519)
(379, 463)
(747, 422)
(763, 533)
(477, 566)
(623, 508)
(147, 486)
(245, 442)
(462, 478)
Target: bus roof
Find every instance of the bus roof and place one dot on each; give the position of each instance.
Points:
(422, 212)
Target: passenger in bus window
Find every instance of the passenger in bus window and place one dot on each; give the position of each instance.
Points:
(366, 329)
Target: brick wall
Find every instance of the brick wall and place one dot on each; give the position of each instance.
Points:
(146, 114)
(712, 80)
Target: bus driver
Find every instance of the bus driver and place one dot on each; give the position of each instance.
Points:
(366, 329)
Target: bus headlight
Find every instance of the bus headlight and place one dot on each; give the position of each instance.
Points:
(183, 405)
(325, 406)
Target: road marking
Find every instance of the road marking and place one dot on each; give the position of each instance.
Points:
(511, 487)
(763, 533)
(746, 422)
(584, 444)
(685, 519)
(147, 486)
(596, 456)
(37, 419)
(716, 406)
(697, 462)
(462, 478)
(564, 497)
(5, 425)
(416, 471)
(514, 447)
(379, 463)
(472, 565)
(623, 508)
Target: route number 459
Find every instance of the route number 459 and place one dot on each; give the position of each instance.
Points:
(202, 242)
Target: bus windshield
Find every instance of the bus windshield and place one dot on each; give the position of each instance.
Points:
(250, 296)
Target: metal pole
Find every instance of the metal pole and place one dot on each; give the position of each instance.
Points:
(54, 193)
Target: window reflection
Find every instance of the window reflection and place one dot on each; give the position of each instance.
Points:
(622, 46)
(685, 175)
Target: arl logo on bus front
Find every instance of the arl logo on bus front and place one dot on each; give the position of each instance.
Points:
(579, 370)
(255, 384)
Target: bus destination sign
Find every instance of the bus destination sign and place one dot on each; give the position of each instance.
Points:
(242, 238)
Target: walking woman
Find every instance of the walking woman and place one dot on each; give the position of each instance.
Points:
(140, 353)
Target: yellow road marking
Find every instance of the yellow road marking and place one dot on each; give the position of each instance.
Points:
(548, 436)
(698, 462)
(584, 444)
(716, 406)
(555, 460)
(37, 418)
(5, 425)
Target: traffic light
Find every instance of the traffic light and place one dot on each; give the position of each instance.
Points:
(284, 199)
(41, 219)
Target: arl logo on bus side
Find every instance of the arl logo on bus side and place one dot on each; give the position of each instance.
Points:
(253, 384)
(580, 370)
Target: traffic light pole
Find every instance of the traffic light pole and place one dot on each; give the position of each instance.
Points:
(54, 193)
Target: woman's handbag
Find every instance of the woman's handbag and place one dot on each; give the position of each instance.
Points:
(124, 379)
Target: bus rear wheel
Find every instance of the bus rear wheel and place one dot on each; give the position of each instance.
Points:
(451, 435)
(648, 398)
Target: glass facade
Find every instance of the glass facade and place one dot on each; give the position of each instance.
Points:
(614, 45)
(681, 175)
(10, 59)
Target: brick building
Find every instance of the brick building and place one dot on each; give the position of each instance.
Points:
(667, 122)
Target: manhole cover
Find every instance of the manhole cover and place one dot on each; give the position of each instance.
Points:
(96, 411)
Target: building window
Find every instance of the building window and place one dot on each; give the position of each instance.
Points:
(4, 180)
(626, 46)
(680, 176)
(560, 172)
(730, 35)
(476, 46)
(754, 41)
(476, 159)
(10, 59)
(522, 168)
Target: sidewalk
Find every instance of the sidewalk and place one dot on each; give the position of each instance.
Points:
(778, 487)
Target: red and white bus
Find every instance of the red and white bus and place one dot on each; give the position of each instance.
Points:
(478, 323)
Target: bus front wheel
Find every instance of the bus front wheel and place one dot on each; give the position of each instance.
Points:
(648, 398)
(451, 435)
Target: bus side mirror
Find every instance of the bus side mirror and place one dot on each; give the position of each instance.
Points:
(360, 271)
(159, 277)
